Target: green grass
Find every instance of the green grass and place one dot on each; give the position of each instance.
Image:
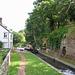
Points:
(34, 66)
(15, 63)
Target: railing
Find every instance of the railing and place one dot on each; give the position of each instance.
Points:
(5, 64)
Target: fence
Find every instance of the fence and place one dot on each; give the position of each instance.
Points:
(5, 64)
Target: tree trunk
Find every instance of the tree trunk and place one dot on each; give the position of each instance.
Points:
(35, 40)
(52, 25)
(58, 24)
(51, 22)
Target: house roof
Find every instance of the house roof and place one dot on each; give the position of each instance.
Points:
(5, 28)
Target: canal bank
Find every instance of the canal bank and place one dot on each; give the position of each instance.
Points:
(65, 68)
(59, 61)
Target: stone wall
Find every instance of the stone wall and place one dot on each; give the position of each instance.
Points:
(69, 44)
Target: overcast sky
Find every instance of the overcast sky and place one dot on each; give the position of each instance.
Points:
(15, 12)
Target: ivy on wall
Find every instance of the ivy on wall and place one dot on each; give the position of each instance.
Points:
(54, 39)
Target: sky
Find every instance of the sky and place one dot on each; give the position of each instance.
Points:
(15, 12)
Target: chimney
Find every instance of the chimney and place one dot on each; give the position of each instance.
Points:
(1, 21)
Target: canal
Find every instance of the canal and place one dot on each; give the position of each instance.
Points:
(64, 69)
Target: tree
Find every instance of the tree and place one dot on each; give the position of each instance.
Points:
(21, 32)
(17, 37)
(47, 16)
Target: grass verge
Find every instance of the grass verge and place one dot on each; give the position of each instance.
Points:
(15, 63)
(3, 54)
(67, 60)
(34, 66)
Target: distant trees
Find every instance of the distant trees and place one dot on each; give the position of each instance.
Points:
(17, 37)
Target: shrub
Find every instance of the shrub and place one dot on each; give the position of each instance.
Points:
(23, 44)
(1, 44)
(3, 54)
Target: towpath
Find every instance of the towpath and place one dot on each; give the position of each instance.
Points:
(22, 64)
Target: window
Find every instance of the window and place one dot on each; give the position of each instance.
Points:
(5, 35)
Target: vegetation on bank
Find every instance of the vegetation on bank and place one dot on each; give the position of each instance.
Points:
(15, 63)
(67, 58)
(34, 66)
(71, 32)
(55, 37)
(3, 54)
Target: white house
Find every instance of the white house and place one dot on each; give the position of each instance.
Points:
(6, 36)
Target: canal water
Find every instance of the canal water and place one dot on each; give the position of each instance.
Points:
(60, 67)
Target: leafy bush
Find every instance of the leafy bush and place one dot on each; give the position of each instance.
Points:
(23, 44)
(1, 44)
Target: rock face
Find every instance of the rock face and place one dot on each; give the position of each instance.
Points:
(69, 44)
